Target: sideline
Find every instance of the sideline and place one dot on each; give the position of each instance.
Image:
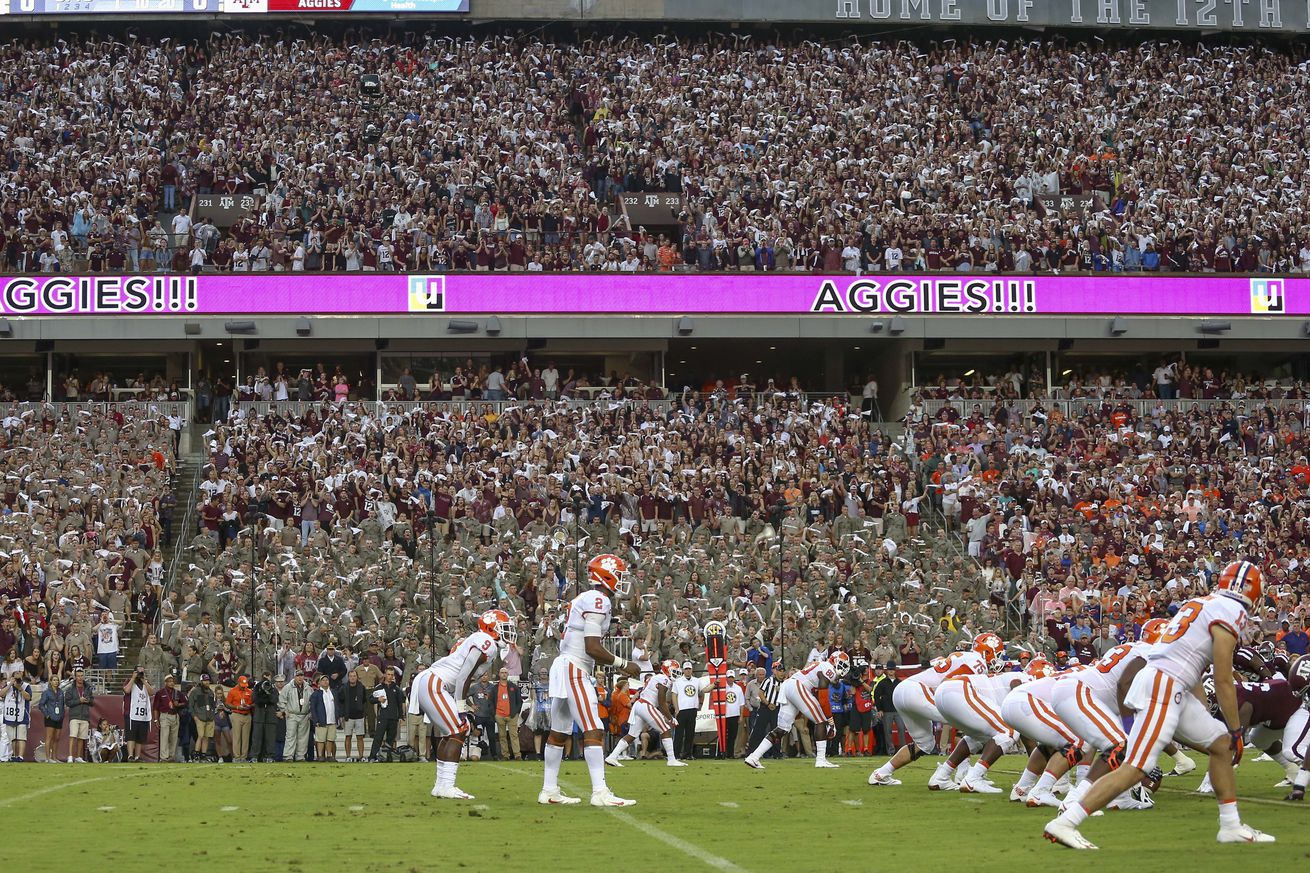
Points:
(691, 850)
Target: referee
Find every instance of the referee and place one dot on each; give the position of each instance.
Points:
(765, 717)
(690, 692)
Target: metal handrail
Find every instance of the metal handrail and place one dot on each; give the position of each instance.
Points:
(183, 535)
(72, 407)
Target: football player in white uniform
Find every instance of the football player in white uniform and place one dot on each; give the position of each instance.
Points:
(573, 687)
(1167, 696)
(797, 697)
(436, 693)
(971, 704)
(1028, 709)
(653, 710)
(915, 701)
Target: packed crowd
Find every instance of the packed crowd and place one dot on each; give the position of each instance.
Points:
(1166, 378)
(85, 512)
(503, 152)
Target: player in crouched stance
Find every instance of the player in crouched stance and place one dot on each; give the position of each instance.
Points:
(652, 711)
(572, 686)
(438, 689)
(1170, 705)
(797, 698)
(915, 700)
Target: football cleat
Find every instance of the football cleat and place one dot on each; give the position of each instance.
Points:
(876, 779)
(450, 792)
(1038, 799)
(1182, 765)
(1062, 833)
(607, 798)
(1296, 794)
(945, 783)
(1017, 794)
(556, 797)
(752, 763)
(978, 786)
(1244, 833)
(825, 764)
(674, 762)
(1205, 787)
(611, 761)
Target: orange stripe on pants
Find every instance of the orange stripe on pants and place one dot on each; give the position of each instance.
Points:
(436, 697)
(1155, 718)
(1088, 707)
(994, 721)
(1051, 720)
(584, 709)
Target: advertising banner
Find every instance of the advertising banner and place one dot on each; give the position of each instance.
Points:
(650, 294)
(311, 6)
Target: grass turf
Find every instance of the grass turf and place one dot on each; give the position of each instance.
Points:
(711, 815)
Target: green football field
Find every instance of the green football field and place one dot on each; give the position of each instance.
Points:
(722, 816)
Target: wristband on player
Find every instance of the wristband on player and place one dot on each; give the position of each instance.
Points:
(619, 663)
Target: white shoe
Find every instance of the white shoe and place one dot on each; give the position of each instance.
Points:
(1205, 787)
(876, 779)
(1182, 765)
(942, 783)
(1038, 799)
(70, 759)
(556, 797)
(1264, 757)
(752, 762)
(607, 798)
(626, 756)
(1062, 785)
(1017, 794)
(1065, 805)
(825, 764)
(674, 762)
(612, 762)
(1244, 833)
(1061, 832)
(450, 792)
(79, 760)
(979, 786)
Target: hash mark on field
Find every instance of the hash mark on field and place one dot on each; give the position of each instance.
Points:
(358, 807)
(972, 800)
(729, 804)
(481, 807)
(228, 808)
(106, 808)
(853, 802)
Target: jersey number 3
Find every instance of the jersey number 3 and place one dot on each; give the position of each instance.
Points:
(1179, 624)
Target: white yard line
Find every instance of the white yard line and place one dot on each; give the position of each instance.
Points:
(50, 789)
(691, 850)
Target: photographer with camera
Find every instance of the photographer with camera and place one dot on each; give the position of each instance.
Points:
(390, 702)
(17, 709)
(263, 743)
(169, 703)
(139, 695)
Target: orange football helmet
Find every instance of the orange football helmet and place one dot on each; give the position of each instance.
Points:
(1242, 580)
(1039, 668)
(609, 571)
(1152, 629)
(497, 624)
(989, 645)
(669, 668)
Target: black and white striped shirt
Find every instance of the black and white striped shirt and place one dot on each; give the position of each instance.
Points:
(769, 691)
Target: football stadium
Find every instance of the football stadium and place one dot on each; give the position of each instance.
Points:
(421, 417)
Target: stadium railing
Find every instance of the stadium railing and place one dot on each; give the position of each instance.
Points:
(1140, 408)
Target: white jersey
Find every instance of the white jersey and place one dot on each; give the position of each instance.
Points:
(457, 668)
(1102, 675)
(650, 692)
(1002, 684)
(954, 664)
(809, 675)
(1186, 649)
(1042, 689)
(590, 610)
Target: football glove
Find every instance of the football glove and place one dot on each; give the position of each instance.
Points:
(1298, 793)
(1237, 742)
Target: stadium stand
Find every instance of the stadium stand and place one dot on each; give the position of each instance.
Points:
(506, 152)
